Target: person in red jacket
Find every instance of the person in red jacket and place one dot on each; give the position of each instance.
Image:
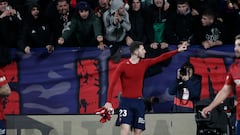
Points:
(131, 73)
(4, 91)
(232, 80)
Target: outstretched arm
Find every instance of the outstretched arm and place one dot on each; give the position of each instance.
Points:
(167, 55)
(220, 97)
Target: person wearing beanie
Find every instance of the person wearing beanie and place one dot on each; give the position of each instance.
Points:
(116, 24)
(85, 26)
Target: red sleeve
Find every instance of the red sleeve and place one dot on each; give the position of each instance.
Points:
(162, 57)
(229, 78)
(113, 82)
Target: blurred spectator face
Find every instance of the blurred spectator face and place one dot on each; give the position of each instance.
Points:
(182, 8)
(83, 14)
(121, 10)
(158, 3)
(35, 12)
(103, 3)
(207, 20)
(62, 7)
(237, 48)
(3, 6)
(136, 5)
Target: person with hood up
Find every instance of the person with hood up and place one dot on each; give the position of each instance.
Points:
(116, 24)
(85, 26)
(35, 32)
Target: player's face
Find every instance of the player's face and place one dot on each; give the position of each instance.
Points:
(237, 48)
(141, 52)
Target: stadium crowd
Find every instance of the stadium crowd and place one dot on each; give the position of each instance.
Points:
(104, 24)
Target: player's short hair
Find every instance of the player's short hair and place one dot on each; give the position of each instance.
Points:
(135, 45)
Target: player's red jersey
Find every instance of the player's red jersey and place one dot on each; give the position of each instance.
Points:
(233, 79)
(132, 75)
(3, 81)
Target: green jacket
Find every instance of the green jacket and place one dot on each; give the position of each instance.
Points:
(85, 30)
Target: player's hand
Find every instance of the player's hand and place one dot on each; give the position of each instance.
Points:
(206, 111)
(108, 105)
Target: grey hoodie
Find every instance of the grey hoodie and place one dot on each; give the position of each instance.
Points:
(116, 33)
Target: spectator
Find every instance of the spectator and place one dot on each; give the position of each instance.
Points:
(85, 26)
(19, 5)
(201, 5)
(116, 24)
(10, 23)
(4, 92)
(138, 23)
(155, 19)
(181, 24)
(59, 14)
(211, 31)
(35, 33)
(103, 6)
(232, 20)
(186, 89)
